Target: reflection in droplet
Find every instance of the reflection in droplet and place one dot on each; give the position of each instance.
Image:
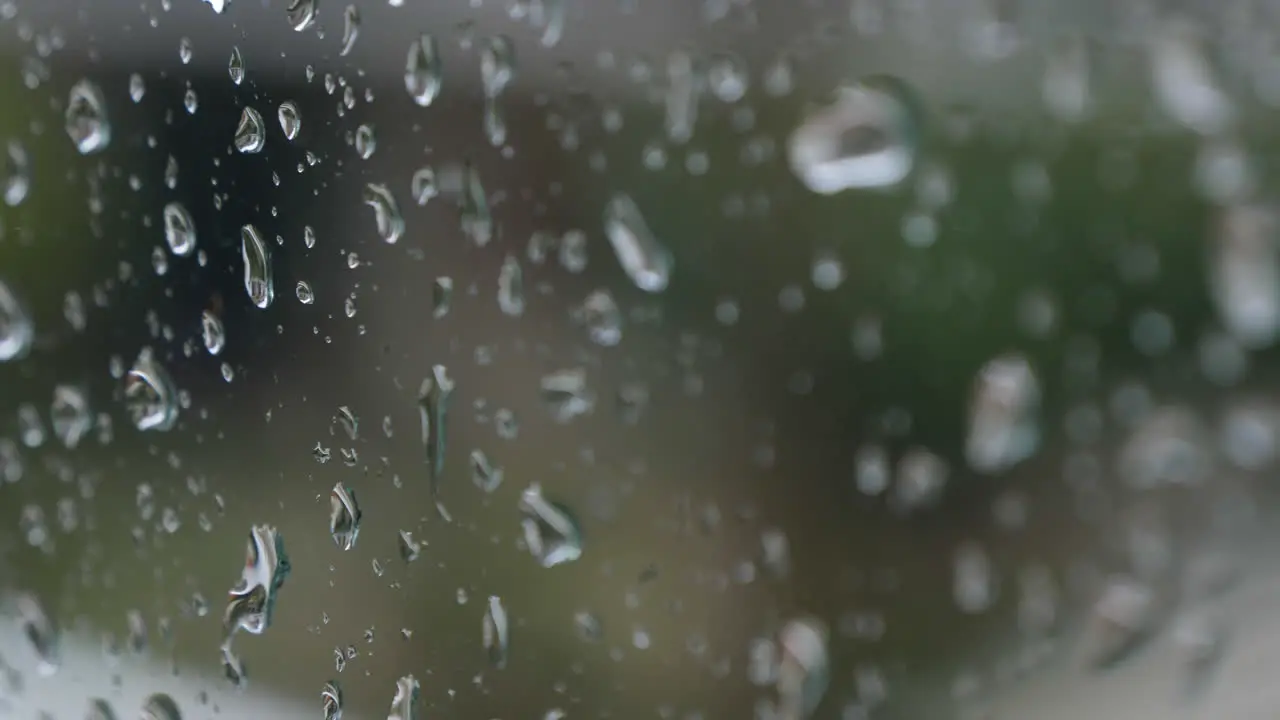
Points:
(350, 29)
(304, 292)
(212, 332)
(290, 119)
(344, 517)
(255, 254)
(301, 14)
(494, 632)
(422, 72)
(86, 118)
(179, 229)
(550, 531)
(644, 259)
(16, 329)
(252, 599)
(235, 67)
(251, 132)
(386, 212)
(867, 138)
(149, 394)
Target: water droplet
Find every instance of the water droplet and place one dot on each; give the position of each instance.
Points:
(344, 517)
(251, 132)
(497, 65)
(404, 703)
(494, 632)
(550, 531)
(211, 330)
(252, 599)
(290, 119)
(16, 329)
(41, 632)
(137, 88)
(423, 185)
(309, 237)
(386, 212)
(867, 138)
(477, 222)
(433, 409)
(160, 707)
(684, 89)
(1183, 80)
(567, 394)
(69, 414)
(301, 14)
(86, 118)
(235, 67)
(1003, 428)
(184, 50)
(441, 296)
(644, 259)
(511, 287)
(727, 77)
(484, 473)
(149, 394)
(1065, 88)
(602, 318)
(305, 295)
(190, 101)
(422, 71)
(350, 29)
(256, 255)
(1245, 274)
(409, 548)
(803, 671)
(366, 141)
(573, 251)
(16, 173)
(331, 700)
(179, 229)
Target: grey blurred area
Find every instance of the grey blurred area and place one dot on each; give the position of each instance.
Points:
(747, 432)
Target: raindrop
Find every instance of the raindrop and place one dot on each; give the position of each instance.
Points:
(179, 229)
(497, 65)
(252, 599)
(185, 51)
(422, 71)
(212, 332)
(433, 410)
(511, 287)
(331, 700)
(1245, 274)
(16, 329)
(550, 531)
(1003, 427)
(644, 259)
(86, 118)
(477, 222)
(803, 671)
(190, 101)
(301, 14)
(258, 284)
(567, 394)
(602, 318)
(309, 237)
(344, 517)
(160, 707)
(494, 632)
(423, 185)
(386, 212)
(70, 415)
(867, 138)
(137, 88)
(100, 709)
(305, 295)
(484, 474)
(16, 174)
(350, 29)
(251, 133)
(441, 296)
(290, 119)
(366, 141)
(41, 632)
(235, 67)
(404, 704)
(149, 394)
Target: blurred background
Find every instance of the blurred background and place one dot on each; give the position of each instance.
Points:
(990, 436)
